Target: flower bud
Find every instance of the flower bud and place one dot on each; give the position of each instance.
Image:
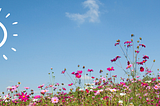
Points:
(153, 60)
(140, 38)
(137, 47)
(78, 65)
(118, 40)
(132, 35)
(19, 83)
(137, 41)
(83, 67)
(131, 40)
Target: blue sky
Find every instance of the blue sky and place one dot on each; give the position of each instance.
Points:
(63, 34)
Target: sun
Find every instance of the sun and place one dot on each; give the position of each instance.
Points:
(5, 34)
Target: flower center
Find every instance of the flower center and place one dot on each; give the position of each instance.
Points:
(23, 96)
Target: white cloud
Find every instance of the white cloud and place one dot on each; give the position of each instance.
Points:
(92, 14)
(86, 77)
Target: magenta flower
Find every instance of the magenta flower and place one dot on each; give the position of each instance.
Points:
(113, 60)
(136, 51)
(37, 96)
(129, 66)
(141, 69)
(26, 87)
(64, 88)
(142, 45)
(78, 75)
(54, 100)
(79, 72)
(63, 72)
(110, 69)
(90, 70)
(41, 86)
(128, 42)
(73, 73)
(129, 45)
(23, 97)
(116, 44)
(70, 84)
(145, 57)
(15, 100)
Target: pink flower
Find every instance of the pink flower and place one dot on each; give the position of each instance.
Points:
(129, 45)
(90, 70)
(137, 76)
(54, 100)
(64, 88)
(70, 84)
(145, 57)
(142, 45)
(156, 87)
(23, 97)
(110, 69)
(92, 77)
(37, 96)
(141, 69)
(44, 91)
(122, 83)
(26, 87)
(129, 66)
(136, 51)
(63, 72)
(40, 86)
(15, 100)
(73, 73)
(113, 60)
(116, 44)
(154, 79)
(79, 72)
(127, 42)
(78, 76)
(103, 79)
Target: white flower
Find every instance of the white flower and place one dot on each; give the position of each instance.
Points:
(122, 94)
(120, 101)
(113, 90)
(148, 81)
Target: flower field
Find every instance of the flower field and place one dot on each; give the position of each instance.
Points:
(135, 90)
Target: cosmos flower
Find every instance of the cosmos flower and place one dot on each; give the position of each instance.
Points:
(128, 42)
(129, 66)
(90, 70)
(92, 77)
(141, 69)
(110, 69)
(136, 51)
(70, 84)
(116, 44)
(40, 86)
(63, 72)
(79, 71)
(37, 96)
(115, 59)
(26, 87)
(142, 45)
(73, 73)
(23, 97)
(129, 45)
(54, 100)
(145, 57)
(78, 76)
(64, 88)
(44, 91)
